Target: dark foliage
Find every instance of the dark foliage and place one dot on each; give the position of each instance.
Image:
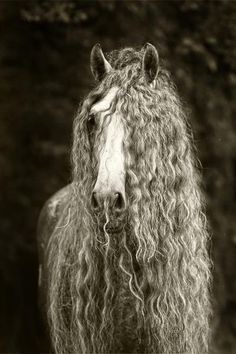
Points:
(44, 70)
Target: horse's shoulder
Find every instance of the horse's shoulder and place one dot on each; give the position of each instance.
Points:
(50, 215)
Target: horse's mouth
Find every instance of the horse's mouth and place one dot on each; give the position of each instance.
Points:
(112, 223)
(113, 226)
(113, 230)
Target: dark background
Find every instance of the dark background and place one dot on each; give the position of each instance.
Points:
(44, 73)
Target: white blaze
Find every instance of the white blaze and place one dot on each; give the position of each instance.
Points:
(111, 171)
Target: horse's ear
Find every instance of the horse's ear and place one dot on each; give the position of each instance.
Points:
(98, 63)
(150, 63)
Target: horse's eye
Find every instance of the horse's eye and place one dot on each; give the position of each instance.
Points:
(91, 122)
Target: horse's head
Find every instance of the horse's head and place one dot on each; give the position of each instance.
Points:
(106, 128)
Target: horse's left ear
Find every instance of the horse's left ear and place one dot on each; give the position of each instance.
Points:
(98, 63)
(150, 63)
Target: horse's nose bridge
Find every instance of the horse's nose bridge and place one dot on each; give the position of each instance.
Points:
(111, 168)
(109, 183)
(110, 187)
(109, 179)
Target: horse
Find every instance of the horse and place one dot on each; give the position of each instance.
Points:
(123, 249)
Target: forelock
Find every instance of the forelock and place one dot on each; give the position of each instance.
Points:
(124, 57)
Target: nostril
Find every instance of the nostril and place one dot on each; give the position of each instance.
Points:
(119, 203)
(94, 201)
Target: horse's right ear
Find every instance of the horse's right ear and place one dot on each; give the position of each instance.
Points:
(98, 63)
(150, 64)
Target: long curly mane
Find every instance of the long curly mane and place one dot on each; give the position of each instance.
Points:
(145, 290)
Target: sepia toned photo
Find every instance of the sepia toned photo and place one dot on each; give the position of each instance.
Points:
(118, 177)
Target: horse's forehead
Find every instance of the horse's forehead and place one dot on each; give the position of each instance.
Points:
(105, 103)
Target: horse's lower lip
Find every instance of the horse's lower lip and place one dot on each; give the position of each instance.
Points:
(113, 230)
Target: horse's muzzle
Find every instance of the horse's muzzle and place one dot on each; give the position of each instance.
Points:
(113, 202)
